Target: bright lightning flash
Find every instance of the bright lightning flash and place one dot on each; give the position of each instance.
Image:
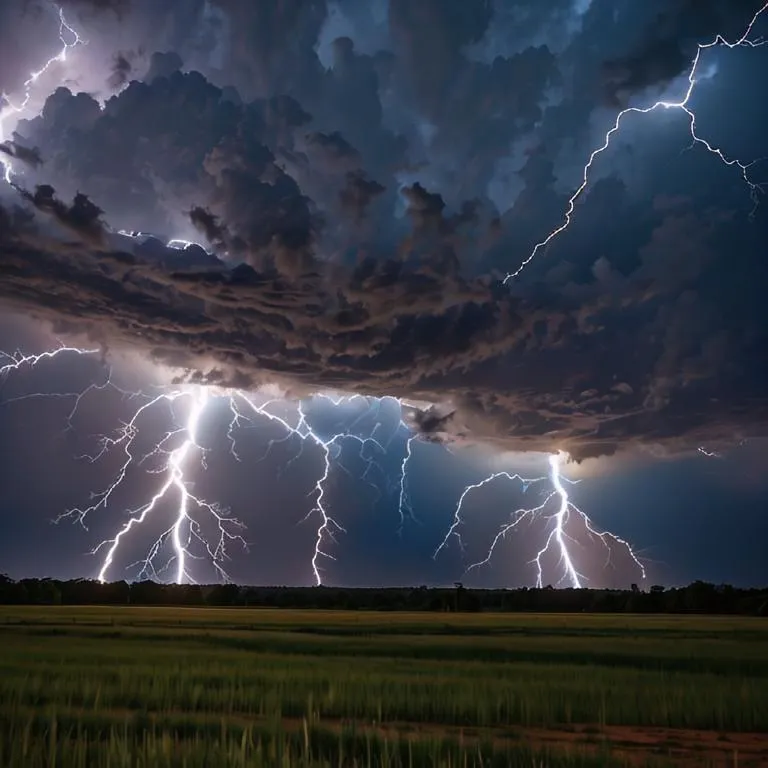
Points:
(69, 40)
(179, 453)
(187, 528)
(755, 189)
(17, 360)
(186, 532)
(186, 537)
(558, 540)
(329, 527)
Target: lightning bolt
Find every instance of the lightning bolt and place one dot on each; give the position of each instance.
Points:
(13, 362)
(174, 454)
(328, 527)
(404, 505)
(178, 453)
(755, 189)
(558, 539)
(187, 528)
(69, 39)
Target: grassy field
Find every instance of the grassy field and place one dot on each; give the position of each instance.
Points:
(162, 687)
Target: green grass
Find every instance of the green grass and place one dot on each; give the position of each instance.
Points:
(219, 687)
(48, 742)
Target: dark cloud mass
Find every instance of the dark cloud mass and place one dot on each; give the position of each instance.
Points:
(669, 43)
(82, 217)
(121, 70)
(28, 155)
(354, 205)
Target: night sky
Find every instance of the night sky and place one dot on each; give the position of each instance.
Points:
(368, 174)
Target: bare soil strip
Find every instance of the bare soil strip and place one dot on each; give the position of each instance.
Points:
(688, 748)
(684, 747)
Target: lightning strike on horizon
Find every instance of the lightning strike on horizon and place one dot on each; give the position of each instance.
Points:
(186, 528)
(755, 188)
(328, 527)
(185, 537)
(558, 539)
(404, 505)
(11, 109)
(186, 531)
(457, 518)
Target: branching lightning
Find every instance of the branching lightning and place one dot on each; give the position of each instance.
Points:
(187, 527)
(404, 506)
(201, 529)
(755, 189)
(176, 456)
(328, 527)
(559, 540)
(69, 39)
(13, 362)
(179, 452)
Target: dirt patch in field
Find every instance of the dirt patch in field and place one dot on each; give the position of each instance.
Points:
(637, 745)
(685, 747)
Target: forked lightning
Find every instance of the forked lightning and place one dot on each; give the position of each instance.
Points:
(755, 189)
(69, 40)
(179, 448)
(559, 539)
(174, 454)
(200, 529)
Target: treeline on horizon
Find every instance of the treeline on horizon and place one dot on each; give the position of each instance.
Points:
(698, 597)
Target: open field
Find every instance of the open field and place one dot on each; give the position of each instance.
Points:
(242, 687)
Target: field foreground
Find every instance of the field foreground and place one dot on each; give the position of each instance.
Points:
(254, 687)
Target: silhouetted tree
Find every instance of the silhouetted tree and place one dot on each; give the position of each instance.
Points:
(699, 597)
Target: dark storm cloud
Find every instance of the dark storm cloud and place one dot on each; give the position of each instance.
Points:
(359, 192)
(29, 155)
(271, 48)
(211, 228)
(121, 70)
(82, 217)
(669, 43)
(163, 64)
(472, 111)
(430, 36)
(356, 198)
(523, 372)
(99, 6)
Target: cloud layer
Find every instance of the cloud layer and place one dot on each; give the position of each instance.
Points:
(367, 210)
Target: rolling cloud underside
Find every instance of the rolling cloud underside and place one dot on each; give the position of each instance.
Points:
(649, 333)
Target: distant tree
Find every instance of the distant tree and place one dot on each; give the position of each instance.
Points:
(700, 597)
(7, 589)
(223, 594)
(457, 598)
(50, 594)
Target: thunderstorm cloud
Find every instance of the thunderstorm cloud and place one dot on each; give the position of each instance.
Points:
(355, 180)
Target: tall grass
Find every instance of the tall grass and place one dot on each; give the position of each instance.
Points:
(52, 741)
(148, 687)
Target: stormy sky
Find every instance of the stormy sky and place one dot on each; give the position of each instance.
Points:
(366, 175)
